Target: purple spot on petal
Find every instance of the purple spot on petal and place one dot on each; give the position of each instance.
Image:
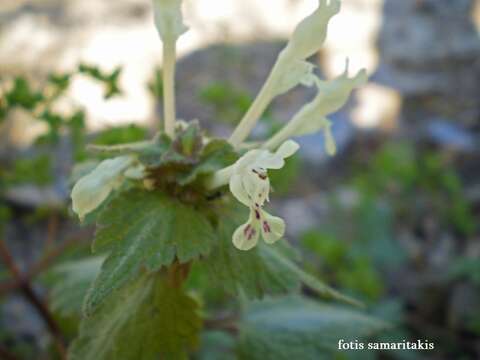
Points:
(266, 227)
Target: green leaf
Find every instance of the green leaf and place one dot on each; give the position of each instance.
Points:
(137, 148)
(35, 170)
(216, 155)
(216, 345)
(148, 319)
(297, 328)
(109, 80)
(255, 272)
(264, 270)
(156, 84)
(22, 95)
(188, 141)
(121, 135)
(153, 156)
(60, 81)
(309, 280)
(464, 267)
(73, 279)
(140, 228)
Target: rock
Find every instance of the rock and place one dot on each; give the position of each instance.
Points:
(429, 52)
(22, 321)
(450, 134)
(34, 196)
(243, 69)
(303, 214)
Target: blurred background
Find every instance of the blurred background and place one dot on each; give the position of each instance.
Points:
(392, 219)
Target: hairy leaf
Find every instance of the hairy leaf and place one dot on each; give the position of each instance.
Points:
(255, 272)
(263, 270)
(140, 228)
(148, 319)
(297, 328)
(216, 155)
(216, 345)
(310, 281)
(72, 281)
(188, 141)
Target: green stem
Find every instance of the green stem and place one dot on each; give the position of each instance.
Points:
(169, 53)
(280, 136)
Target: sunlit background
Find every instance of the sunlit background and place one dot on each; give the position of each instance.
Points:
(392, 219)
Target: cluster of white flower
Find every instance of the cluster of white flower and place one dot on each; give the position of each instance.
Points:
(248, 177)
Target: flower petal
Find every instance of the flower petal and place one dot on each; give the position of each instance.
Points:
(257, 186)
(330, 144)
(237, 189)
(246, 236)
(310, 34)
(287, 149)
(299, 72)
(268, 160)
(92, 190)
(247, 160)
(273, 227)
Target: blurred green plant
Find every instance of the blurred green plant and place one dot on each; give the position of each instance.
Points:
(465, 268)
(36, 170)
(227, 100)
(156, 84)
(120, 134)
(425, 179)
(396, 186)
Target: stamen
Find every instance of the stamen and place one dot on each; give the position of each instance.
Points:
(261, 175)
(257, 214)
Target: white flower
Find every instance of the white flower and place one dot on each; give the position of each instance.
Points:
(250, 184)
(332, 95)
(291, 68)
(310, 34)
(297, 72)
(91, 190)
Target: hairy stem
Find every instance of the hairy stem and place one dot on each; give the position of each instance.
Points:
(280, 136)
(169, 53)
(258, 107)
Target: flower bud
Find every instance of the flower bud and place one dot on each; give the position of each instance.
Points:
(310, 34)
(332, 95)
(168, 19)
(92, 190)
